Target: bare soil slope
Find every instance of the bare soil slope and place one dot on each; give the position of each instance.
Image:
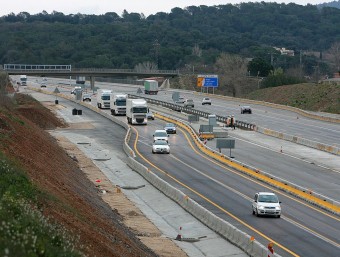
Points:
(75, 202)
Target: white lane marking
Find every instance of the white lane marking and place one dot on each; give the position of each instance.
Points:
(294, 223)
(289, 155)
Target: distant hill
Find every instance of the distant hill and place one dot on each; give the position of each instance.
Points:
(335, 4)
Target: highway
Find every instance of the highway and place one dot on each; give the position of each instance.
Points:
(302, 230)
(279, 120)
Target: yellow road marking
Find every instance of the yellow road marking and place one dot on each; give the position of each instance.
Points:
(252, 173)
(208, 200)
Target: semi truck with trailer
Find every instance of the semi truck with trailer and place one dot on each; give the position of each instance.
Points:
(150, 87)
(136, 110)
(118, 104)
(103, 98)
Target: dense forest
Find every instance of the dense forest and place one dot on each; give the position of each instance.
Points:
(194, 35)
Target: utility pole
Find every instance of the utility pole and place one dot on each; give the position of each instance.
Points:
(156, 46)
(300, 63)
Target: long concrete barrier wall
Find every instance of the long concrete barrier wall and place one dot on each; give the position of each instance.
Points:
(225, 229)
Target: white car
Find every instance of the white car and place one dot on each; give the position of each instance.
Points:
(160, 134)
(189, 103)
(160, 146)
(75, 89)
(266, 203)
(87, 97)
(206, 100)
(245, 109)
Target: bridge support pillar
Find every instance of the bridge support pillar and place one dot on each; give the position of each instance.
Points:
(92, 79)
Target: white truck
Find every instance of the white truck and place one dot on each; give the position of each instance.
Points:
(118, 104)
(23, 80)
(103, 98)
(136, 110)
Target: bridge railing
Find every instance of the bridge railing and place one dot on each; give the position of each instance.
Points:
(61, 68)
(35, 67)
(126, 71)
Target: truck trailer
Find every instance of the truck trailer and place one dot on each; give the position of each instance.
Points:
(103, 98)
(136, 110)
(118, 104)
(80, 80)
(150, 87)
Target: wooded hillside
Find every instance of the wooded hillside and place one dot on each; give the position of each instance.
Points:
(196, 34)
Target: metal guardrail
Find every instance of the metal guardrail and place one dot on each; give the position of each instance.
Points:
(179, 108)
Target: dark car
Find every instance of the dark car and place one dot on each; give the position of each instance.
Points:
(170, 128)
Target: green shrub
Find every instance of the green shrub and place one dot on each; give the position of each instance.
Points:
(24, 231)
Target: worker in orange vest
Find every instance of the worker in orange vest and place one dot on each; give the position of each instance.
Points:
(232, 121)
(270, 249)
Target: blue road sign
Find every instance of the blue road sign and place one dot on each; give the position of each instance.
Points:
(207, 81)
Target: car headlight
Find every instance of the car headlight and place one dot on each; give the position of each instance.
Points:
(278, 208)
(261, 207)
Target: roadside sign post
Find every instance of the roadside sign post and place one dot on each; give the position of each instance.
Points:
(225, 143)
(206, 81)
(56, 91)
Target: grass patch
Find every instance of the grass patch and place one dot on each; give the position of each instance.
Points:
(24, 231)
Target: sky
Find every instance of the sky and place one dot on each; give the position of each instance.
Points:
(97, 7)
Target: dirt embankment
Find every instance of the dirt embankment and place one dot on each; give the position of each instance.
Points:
(75, 201)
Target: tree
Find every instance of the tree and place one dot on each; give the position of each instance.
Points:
(335, 53)
(232, 70)
(259, 67)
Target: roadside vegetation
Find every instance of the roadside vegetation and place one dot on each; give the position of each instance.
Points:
(323, 97)
(24, 231)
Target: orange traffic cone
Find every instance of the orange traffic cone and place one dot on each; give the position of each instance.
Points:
(179, 236)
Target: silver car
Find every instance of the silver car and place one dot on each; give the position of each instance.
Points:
(189, 103)
(206, 100)
(266, 203)
(160, 146)
(150, 115)
(181, 100)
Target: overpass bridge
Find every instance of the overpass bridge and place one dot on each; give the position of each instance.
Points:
(67, 71)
